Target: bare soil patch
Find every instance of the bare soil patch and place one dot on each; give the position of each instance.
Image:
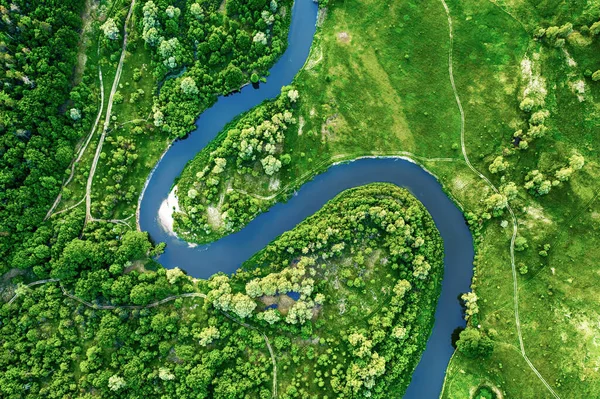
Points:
(344, 37)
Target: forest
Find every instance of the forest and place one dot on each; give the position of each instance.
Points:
(180, 56)
(42, 113)
(496, 99)
(214, 51)
(313, 296)
(92, 314)
(179, 82)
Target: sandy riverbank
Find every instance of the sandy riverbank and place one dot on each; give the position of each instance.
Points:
(165, 213)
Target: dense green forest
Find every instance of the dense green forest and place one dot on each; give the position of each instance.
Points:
(507, 123)
(215, 47)
(42, 115)
(106, 320)
(180, 56)
(171, 73)
(314, 296)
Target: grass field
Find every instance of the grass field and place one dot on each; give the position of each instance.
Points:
(556, 299)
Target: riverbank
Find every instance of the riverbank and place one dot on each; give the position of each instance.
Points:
(165, 213)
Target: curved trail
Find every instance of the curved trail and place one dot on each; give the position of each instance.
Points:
(274, 365)
(113, 90)
(81, 150)
(70, 207)
(109, 307)
(131, 307)
(115, 221)
(512, 214)
(40, 282)
(241, 323)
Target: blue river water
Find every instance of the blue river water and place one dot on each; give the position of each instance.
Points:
(228, 253)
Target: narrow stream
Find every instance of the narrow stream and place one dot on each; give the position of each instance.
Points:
(228, 253)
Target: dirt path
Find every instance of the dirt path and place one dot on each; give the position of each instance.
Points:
(115, 221)
(81, 149)
(274, 392)
(131, 307)
(512, 214)
(273, 360)
(115, 85)
(83, 41)
(40, 282)
(110, 307)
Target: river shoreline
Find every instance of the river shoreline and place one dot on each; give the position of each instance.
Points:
(165, 213)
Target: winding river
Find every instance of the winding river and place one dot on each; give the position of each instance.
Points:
(229, 253)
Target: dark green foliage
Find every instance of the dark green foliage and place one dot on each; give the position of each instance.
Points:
(474, 344)
(38, 44)
(154, 351)
(157, 352)
(358, 220)
(484, 393)
(220, 51)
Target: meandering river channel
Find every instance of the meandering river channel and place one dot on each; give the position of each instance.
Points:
(230, 252)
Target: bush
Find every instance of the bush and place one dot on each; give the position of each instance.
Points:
(474, 344)
(521, 244)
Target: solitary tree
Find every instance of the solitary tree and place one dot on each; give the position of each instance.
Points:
(498, 165)
(293, 95)
(576, 161)
(271, 164)
(521, 243)
(74, 114)
(196, 10)
(527, 104)
(208, 335)
(116, 382)
(243, 305)
(260, 37)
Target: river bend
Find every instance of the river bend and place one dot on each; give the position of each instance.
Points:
(228, 253)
